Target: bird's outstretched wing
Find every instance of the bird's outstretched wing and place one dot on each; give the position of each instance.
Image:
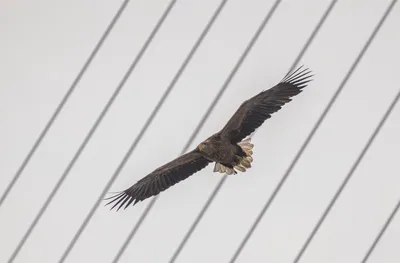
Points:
(160, 179)
(254, 111)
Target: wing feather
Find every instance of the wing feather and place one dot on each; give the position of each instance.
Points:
(254, 111)
(160, 179)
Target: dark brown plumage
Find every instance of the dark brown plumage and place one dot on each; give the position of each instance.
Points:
(226, 148)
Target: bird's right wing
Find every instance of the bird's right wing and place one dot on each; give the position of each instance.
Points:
(161, 179)
(254, 111)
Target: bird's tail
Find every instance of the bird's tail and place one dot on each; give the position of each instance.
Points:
(223, 169)
(245, 162)
(247, 146)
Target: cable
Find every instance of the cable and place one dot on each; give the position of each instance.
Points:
(346, 180)
(223, 179)
(202, 121)
(307, 141)
(381, 232)
(91, 132)
(62, 103)
(198, 219)
(363, 152)
(144, 129)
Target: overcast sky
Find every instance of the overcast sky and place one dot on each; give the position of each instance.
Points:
(44, 47)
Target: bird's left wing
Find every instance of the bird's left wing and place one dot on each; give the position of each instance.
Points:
(161, 179)
(254, 111)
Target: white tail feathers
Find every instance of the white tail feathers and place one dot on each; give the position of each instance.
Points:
(247, 146)
(244, 163)
(223, 169)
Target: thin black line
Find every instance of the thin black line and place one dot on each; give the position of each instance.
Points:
(146, 125)
(381, 232)
(346, 180)
(363, 152)
(142, 51)
(198, 219)
(313, 34)
(304, 146)
(201, 123)
(62, 103)
(90, 134)
(222, 181)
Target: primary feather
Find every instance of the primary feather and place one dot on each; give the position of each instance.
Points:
(254, 111)
(161, 179)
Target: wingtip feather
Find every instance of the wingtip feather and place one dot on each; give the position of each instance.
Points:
(299, 76)
(119, 199)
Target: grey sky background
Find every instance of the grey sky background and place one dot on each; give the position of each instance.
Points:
(45, 44)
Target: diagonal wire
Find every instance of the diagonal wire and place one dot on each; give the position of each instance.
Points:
(313, 34)
(360, 157)
(202, 121)
(91, 132)
(144, 128)
(62, 103)
(222, 181)
(309, 137)
(381, 233)
(346, 180)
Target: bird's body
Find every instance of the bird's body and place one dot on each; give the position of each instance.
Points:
(228, 148)
(226, 155)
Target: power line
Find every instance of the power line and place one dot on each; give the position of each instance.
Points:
(222, 181)
(381, 232)
(198, 218)
(91, 132)
(62, 103)
(313, 34)
(220, 184)
(202, 121)
(126, 76)
(364, 150)
(308, 139)
(348, 177)
(144, 128)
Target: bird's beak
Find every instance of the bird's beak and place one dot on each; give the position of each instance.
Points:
(200, 147)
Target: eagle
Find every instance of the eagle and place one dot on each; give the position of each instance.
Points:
(229, 148)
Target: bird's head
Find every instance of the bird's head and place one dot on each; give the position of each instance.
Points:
(203, 147)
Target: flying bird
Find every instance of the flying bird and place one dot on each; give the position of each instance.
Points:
(229, 148)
